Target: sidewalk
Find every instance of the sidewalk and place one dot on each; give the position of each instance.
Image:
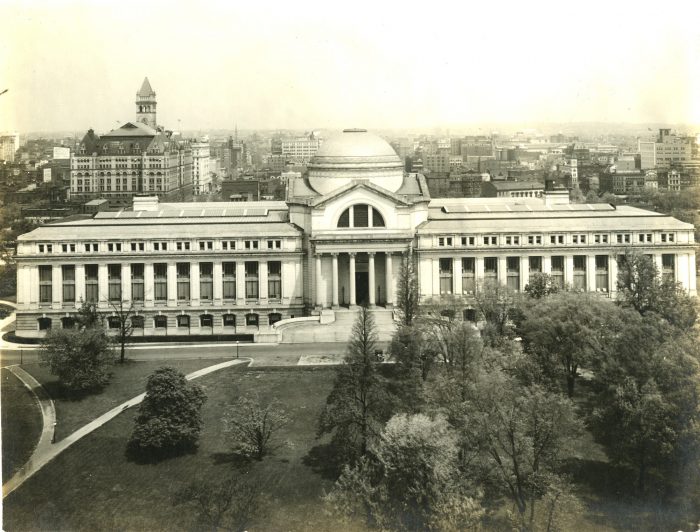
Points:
(46, 451)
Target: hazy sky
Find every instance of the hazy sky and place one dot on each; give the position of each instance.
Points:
(294, 64)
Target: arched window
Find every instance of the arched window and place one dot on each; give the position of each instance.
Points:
(274, 317)
(183, 320)
(67, 322)
(137, 322)
(251, 320)
(160, 322)
(361, 215)
(206, 320)
(229, 320)
(44, 324)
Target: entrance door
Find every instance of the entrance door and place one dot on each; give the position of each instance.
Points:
(362, 288)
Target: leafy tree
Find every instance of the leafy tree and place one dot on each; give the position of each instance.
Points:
(413, 362)
(169, 418)
(411, 480)
(521, 432)
(253, 425)
(541, 285)
(89, 316)
(566, 331)
(358, 403)
(496, 304)
(407, 290)
(641, 287)
(227, 505)
(647, 412)
(79, 358)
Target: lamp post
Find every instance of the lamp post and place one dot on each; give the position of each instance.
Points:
(237, 342)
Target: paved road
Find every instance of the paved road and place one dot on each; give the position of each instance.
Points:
(262, 354)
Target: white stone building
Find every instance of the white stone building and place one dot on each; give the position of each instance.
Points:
(337, 241)
(201, 172)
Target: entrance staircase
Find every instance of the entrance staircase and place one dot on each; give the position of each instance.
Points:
(338, 330)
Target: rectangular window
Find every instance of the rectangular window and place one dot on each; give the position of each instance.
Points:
(512, 240)
(228, 245)
(251, 244)
(491, 269)
(274, 244)
(68, 273)
(183, 281)
(468, 275)
(668, 267)
(251, 279)
(601, 273)
(490, 240)
(207, 245)
(114, 277)
(160, 282)
(513, 273)
(579, 272)
(229, 280)
(445, 276)
(467, 240)
(137, 282)
(182, 246)
(92, 286)
(557, 271)
(534, 264)
(274, 280)
(206, 281)
(137, 246)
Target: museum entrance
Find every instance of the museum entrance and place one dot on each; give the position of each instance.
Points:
(362, 288)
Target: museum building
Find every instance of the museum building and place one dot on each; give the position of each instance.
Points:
(337, 241)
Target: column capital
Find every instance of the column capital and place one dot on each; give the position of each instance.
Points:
(371, 253)
(335, 254)
(352, 253)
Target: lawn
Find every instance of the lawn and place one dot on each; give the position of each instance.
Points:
(128, 380)
(21, 423)
(93, 486)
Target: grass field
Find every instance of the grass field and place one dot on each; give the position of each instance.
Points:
(21, 423)
(93, 486)
(128, 380)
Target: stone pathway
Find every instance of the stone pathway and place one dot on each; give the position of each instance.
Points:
(46, 451)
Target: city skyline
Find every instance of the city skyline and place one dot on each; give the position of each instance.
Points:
(307, 66)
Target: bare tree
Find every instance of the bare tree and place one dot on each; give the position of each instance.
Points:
(122, 314)
(253, 425)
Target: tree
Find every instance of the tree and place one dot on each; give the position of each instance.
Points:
(122, 314)
(358, 403)
(407, 290)
(252, 425)
(521, 432)
(647, 409)
(80, 358)
(541, 285)
(413, 362)
(566, 331)
(89, 316)
(169, 418)
(410, 481)
(496, 304)
(641, 287)
(227, 505)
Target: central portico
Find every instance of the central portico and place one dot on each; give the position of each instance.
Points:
(359, 211)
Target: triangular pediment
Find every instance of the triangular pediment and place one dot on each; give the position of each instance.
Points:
(357, 185)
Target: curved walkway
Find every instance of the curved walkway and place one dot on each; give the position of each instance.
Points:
(46, 451)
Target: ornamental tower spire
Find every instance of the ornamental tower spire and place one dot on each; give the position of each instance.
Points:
(146, 104)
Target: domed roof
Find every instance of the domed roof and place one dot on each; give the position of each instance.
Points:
(356, 143)
(351, 155)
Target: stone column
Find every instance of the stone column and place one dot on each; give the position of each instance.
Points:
(524, 272)
(334, 258)
(194, 284)
(262, 281)
(389, 280)
(590, 273)
(547, 264)
(319, 285)
(126, 284)
(218, 280)
(478, 272)
(372, 287)
(102, 286)
(457, 276)
(658, 262)
(79, 284)
(612, 273)
(56, 287)
(569, 270)
(240, 283)
(502, 270)
(148, 285)
(353, 295)
(172, 284)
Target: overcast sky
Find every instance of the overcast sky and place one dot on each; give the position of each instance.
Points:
(72, 65)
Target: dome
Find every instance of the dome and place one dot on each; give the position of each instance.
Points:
(355, 154)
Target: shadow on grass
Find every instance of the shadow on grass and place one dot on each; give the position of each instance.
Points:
(235, 458)
(150, 456)
(58, 392)
(323, 459)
